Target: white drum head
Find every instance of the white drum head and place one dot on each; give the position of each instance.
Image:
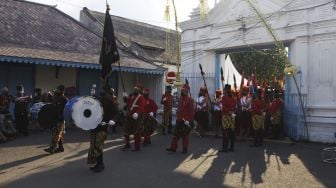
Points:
(87, 113)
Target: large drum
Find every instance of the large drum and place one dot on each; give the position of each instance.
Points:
(44, 113)
(35, 109)
(85, 112)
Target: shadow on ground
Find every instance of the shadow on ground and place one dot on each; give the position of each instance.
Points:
(274, 165)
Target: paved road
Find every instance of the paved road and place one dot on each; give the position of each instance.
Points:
(23, 163)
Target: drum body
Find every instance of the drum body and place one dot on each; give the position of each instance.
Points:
(85, 112)
(68, 109)
(43, 113)
(34, 111)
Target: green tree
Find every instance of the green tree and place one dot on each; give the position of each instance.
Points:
(268, 64)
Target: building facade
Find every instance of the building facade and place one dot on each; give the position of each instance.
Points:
(307, 27)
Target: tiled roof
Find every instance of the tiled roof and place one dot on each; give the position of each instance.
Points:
(147, 40)
(36, 31)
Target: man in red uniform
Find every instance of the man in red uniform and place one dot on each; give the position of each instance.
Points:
(135, 107)
(202, 108)
(276, 115)
(184, 120)
(149, 123)
(167, 101)
(258, 119)
(229, 105)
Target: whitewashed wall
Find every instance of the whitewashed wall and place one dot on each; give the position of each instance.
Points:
(308, 26)
(45, 77)
(153, 82)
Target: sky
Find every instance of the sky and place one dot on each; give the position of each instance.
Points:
(148, 11)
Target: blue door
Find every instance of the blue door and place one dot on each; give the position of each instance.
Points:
(12, 74)
(21, 74)
(3, 74)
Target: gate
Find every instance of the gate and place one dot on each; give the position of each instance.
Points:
(293, 116)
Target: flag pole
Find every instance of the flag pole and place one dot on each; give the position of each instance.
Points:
(119, 66)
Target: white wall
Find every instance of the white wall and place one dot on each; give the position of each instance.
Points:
(45, 77)
(311, 32)
(153, 82)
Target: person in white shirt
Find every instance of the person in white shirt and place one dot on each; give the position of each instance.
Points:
(217, 112)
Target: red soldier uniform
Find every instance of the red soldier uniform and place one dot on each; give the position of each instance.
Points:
(149, 123)
(276, 115)
(184, 119)
(167, 101)
(135, 114)
(229, 105)
(258, 118)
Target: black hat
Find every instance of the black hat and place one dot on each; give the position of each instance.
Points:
(168, 88)
(61, 88)
(19, 87)
(227, 87)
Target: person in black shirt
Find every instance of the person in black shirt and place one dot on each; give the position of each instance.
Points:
(21, 110)
(38, 96)
(59, 101)
(99, 134)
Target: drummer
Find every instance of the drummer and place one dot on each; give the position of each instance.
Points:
(58, 130)
(38, 96)
(98, 135)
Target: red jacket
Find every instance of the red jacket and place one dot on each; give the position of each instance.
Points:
(185, 110)
(135, 104)
(276, 105)
(258, 106)
(168, 103)
(228, 105)
(150, 106)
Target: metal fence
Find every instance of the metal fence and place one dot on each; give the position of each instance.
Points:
(196, 81)
(293, 115)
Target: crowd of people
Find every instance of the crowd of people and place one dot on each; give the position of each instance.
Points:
(13, 126)
(242, 113)
(236, 113)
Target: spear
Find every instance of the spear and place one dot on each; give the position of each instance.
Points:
(206, 88)
(222, 77)
(187, 82)
(234, 82)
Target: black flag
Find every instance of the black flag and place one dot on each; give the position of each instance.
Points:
(109, 52)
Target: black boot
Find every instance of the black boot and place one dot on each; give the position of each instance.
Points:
(225, 150)
(50, 150)
(60, 147)
(126, 146)
(171, 150)
(100, 164)
(185, 150)
(231, 146)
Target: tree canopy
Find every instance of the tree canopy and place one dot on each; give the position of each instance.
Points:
(267, 63)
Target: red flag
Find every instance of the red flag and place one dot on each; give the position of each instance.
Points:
(242, 84)
(275, 81)
(264, 88)
(249, 81)
(255, 81)
(264, 85)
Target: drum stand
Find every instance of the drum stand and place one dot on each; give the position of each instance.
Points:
(329, 155)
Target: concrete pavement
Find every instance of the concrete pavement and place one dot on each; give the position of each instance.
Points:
(23, 163)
